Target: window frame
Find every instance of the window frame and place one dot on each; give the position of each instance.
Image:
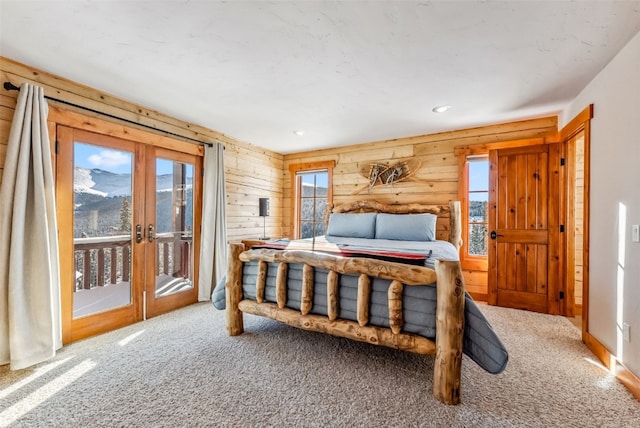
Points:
(309, 167)
(469, 261)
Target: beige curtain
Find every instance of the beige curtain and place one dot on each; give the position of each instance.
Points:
(213, 248)
(30, 329)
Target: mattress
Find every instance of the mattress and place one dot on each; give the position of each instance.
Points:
(480, 341)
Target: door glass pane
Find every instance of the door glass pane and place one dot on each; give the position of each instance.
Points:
(478, 239)
(102, 228)
(174, 227)
(478, 173)
(478, 207)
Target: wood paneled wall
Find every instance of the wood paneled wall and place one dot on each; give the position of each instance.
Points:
(436, 182)
(7, 105)
(578, 211)
(251, 172)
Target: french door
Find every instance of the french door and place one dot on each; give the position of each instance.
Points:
(129, 227)
(172, 227)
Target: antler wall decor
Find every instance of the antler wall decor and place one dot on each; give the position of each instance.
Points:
(379, 174)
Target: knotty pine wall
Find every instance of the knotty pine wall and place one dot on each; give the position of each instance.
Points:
(251, 172)
(436, 182)
(579, 224)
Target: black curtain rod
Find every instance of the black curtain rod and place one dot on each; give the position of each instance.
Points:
(11, 87)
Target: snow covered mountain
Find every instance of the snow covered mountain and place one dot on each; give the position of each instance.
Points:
(99, 197)
(108, 184)
(100, 182)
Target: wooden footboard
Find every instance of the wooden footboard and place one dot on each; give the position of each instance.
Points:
(449, 314)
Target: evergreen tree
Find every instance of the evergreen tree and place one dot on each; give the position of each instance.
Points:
(478, 232)
(125, 217)
(478, 242)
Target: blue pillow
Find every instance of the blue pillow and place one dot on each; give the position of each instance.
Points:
(350, 225)
(406, 227)
(219, 295)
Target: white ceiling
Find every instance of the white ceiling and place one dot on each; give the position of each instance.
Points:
(344, 72)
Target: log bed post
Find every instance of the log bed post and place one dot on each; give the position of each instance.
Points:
(362, 300)
(455, 224)
(394, 296)
(233, 290)
(332, 295)
(281, 284)
(306, 302)
(449, 331)
(261, 280)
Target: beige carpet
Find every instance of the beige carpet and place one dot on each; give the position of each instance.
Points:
(182, 369)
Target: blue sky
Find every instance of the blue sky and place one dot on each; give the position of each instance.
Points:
(116, 161)
(87, 156)
(479, 179)
(322, 179)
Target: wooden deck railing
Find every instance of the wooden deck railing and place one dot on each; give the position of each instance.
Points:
(168, 253)
(107, 259)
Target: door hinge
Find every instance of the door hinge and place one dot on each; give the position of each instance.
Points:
(202, 172)
(562, 228)
(57, 147)
(561, 161)
(561, 295)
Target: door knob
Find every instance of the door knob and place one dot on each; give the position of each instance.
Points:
(494, 235)
(138, 233)
(151, 235)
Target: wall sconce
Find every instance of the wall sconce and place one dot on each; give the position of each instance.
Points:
(264, 213)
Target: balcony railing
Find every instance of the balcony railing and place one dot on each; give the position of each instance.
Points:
(107, 260)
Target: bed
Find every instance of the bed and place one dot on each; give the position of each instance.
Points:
(378, 276)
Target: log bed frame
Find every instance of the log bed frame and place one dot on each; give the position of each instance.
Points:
(450, 296)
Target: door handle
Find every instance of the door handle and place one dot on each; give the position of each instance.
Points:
(138, 233)
(494, 235)
(151, 235)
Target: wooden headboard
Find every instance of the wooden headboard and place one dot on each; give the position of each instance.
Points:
(452, 210)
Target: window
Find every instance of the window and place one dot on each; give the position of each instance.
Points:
(475, 202)
(478, 197)
(312, 193)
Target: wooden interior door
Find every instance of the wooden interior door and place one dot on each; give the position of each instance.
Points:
(524, 253)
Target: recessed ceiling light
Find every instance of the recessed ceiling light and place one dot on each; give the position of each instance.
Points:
(441, 109)
(299, 132)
